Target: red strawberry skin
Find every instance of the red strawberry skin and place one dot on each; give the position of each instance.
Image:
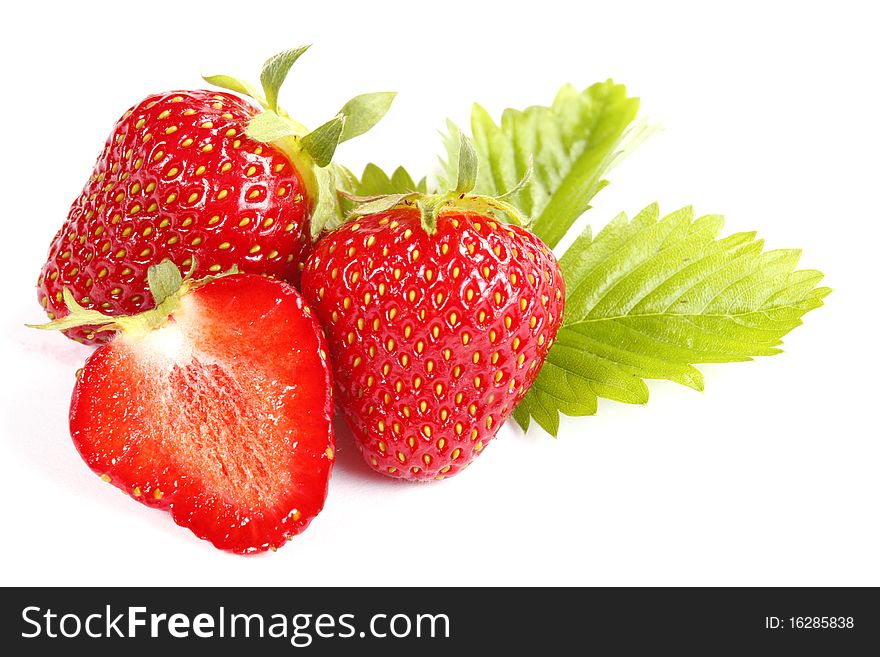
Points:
(434, 339)
(222, 417)
(177, 179)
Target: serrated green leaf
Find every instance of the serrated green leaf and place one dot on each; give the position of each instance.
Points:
(649, 298)
(375, 182)
(275, 71)
(402, 181)
(363, 112)
(521, 413)
(569, 145)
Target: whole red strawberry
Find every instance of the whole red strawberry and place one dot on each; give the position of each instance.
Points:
(436, 331)
(181, 179)
(215, 406)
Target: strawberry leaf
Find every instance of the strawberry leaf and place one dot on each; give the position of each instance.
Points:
(466, 177)
(236, 85)
(355, 118)
(275, 72)
(76, 316)
(164, 280)
(327, 211)
(650, 297)
(321, 142)
(269, 126)
(378, 204)
(363, 112)
(375, 182)
(428, 214)
(570, 146)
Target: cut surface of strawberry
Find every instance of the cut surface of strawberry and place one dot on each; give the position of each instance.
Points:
(222, 415)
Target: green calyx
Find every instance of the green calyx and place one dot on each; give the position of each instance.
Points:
(166, 285)
(458, 199)
(311, 152)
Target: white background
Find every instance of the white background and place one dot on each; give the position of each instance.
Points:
(769, 111)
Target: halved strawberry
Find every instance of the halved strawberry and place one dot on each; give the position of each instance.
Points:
(215, 406)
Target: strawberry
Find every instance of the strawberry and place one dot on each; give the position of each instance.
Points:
(215, 406)
(181, 178)
(437, 326)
